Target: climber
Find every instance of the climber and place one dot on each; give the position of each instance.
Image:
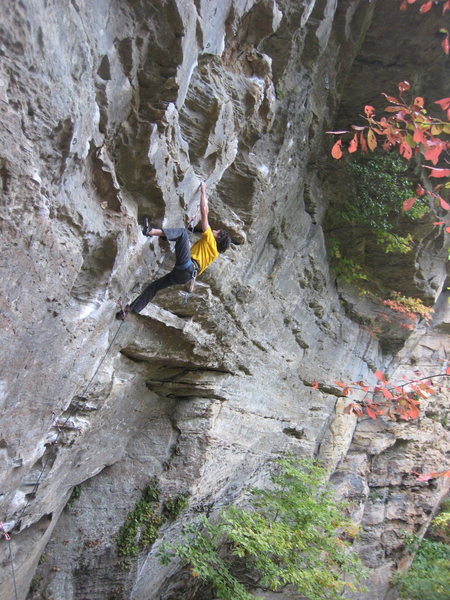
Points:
(190, 262)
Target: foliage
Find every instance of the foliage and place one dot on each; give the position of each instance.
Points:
(172, 507)
(429, 575)
(440, 527)
(412, 308)
(393, 400)
(409, 130)
(345, 268)
(426, 6)
(292, 534)
(141, 525)
(381, 185)
(394, 243)
(75, 494)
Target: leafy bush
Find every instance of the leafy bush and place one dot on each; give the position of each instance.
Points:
(381, 185)
(292, 534)
(429, 575)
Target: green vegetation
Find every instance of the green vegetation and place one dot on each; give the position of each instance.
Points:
(76, 493)
(175, 506)
(293, 534)
(381, 184)
(141, 527)
(441, 523)
(368, 217)
(345, 268)
(35, 584)
(429, 575)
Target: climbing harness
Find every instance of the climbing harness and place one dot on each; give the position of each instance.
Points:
(191, 283)
(36, 485)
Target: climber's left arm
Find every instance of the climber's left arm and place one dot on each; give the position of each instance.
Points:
(204, 208)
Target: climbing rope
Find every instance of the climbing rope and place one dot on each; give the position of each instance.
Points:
(33, 492)
(7, 537)
(60, 427)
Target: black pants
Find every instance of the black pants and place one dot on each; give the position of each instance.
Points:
(177, 276)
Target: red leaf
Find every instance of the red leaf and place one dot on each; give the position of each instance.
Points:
(387, 394)
(434, 151)
(419, 136)
(369, 110)
(440, 222)
(427, 476)
(405, 150)
(447, 372)
(363, 386)
(370, 412)
(445, 205)
(426, 7)
(445, 102)
(379, 375)
(390, 98)
(420, 191)
(418, 102)
(435, 172)
(403, 5)
(340, 384)
(446, 44)
(336, 150)
(447, 229)
(348, 409)
(403, 86)
(353, 147)
(414, 412)
(408, 204)
(363, 143)
(315, 385)
(446, 7)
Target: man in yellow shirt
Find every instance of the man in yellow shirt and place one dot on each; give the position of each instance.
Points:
(190, 262)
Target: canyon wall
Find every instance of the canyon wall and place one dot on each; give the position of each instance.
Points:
(115, 110)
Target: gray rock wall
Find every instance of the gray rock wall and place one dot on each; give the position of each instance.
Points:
(111, 111)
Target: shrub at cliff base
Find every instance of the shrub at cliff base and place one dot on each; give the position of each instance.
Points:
(294, 534)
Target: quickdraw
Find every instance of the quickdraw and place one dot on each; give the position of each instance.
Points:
(4, 533)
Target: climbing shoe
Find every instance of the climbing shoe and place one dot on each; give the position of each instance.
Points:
(146, 228)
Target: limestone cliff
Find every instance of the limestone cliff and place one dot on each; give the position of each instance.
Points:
(112, 110)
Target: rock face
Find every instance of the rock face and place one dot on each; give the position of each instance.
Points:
(114, 110)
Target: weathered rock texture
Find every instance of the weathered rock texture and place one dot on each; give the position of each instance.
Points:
(112, 110)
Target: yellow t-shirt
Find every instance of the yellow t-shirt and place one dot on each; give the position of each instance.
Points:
(205, 250)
